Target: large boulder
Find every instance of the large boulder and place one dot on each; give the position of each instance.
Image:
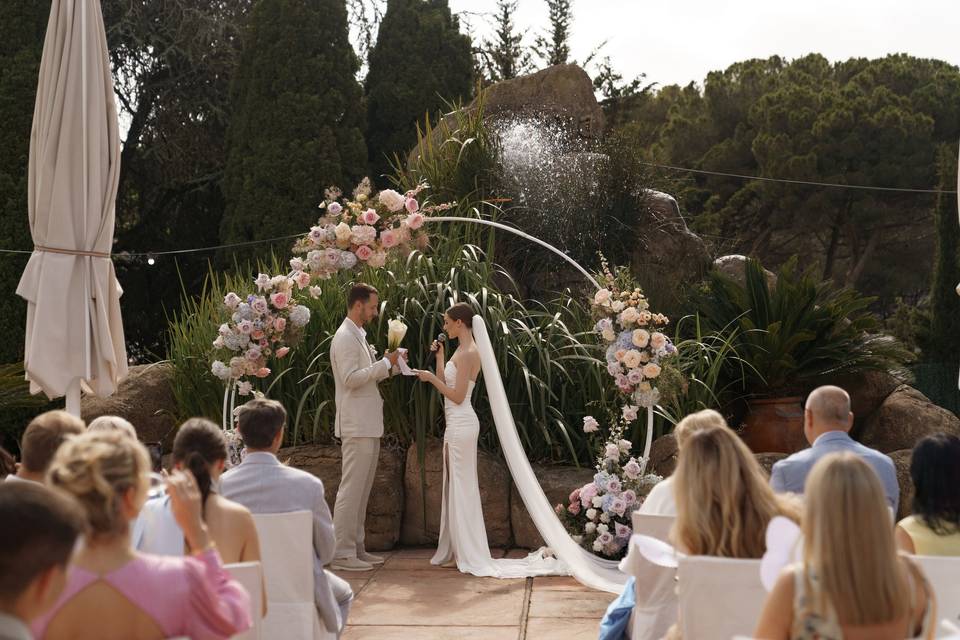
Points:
(663, 455)
(905, 417)
(385, 507)
(494, 480)
(145, 398)
(558, 482)
(901, 461)
(735, 267)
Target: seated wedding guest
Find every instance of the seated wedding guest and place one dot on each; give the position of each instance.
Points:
(660, 500)
(33, 554)
(851, 584)
(114, 592)
(263, 485)
(40, 441)
(201, 447)
(112, 423)
(934, 527)
(723, 500)
(826, 422)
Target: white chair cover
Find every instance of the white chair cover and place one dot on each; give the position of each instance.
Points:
(655, 587)
(943, 573)
(719, 597)
(286, 548)
(250, 575)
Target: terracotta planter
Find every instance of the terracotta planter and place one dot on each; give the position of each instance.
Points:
(774, 425)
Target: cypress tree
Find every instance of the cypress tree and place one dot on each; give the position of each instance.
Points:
(944, 336)
(420, 62)
(22, 27)
(554, 47)
(297, 122)
(506, 57)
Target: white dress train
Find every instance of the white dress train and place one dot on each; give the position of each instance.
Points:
(462, 532)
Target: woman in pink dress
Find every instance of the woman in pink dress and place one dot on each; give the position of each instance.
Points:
(114, 592)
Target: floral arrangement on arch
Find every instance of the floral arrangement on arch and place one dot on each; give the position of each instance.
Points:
(598, 515)
(363, 231)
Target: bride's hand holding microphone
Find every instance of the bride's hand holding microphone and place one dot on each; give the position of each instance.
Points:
(436, 351)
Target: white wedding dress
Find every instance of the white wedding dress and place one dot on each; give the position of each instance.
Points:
(462, 532)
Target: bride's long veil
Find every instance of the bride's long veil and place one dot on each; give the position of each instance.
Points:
(588, 569)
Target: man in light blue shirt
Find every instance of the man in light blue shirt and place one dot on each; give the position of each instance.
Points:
(826, 424)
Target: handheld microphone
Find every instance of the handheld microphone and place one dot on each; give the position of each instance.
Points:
(432, 356)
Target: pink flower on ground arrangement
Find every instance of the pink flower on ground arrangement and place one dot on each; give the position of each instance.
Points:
(587, 493)
(618, 506)
(630, 413)
(392, 200)
(574, 508)
(632, 469)
(629, 496)
(364, 252)
(263, 372)
(302, 279)
(623, 531)
(415, 220)
(412, 205)
(334, 208)
(389, 239)
(575, 496)
(377, 260)
(280, 325)
(279, 300)
(282, 351)
(614, 486)
(231, 300)
(611, 452)
(369, 217)
(590, 424)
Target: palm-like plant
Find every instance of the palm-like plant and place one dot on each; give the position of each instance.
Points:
(800, 330)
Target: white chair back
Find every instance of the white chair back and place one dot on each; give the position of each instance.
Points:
(286, 550)
(250, 575)
(943, 573)
(719, 597)
(654, 526)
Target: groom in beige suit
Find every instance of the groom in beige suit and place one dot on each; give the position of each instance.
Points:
(359, 425)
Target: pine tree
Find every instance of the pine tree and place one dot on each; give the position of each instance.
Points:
(944, 339)
(554, 47)
(297, 125)
(505, 57)
(22, 26)
(420, 63)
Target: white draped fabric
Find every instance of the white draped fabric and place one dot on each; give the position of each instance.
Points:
(587, 568)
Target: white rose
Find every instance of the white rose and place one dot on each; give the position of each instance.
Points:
(609, 335)
(396, 330)
(641, 337)
(343, 233)
(392, 200)
(617, 306)
(651, 370)
(602, 297)
(604, 517)
(602, 528)
(631, 359)
(658, 340)
(597, 502)
(592, 514)
(629, 316)
(590, 528)
(597, 546)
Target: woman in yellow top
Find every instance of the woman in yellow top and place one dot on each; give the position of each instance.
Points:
(934, 527)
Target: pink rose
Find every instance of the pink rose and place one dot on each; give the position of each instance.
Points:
(634, 376)
(575, 496)
(415, 220)
(369, 217)
(629, 496)
(282, 351)
(574, 507)
(263, 372)
(256, 335)
(389, 239)
(364, 252)
(302, 278)
(279, 300)
(412, 205)
(334, 208)
(245, 326)
(231, 300)
(280, 324)
(623, 531)
(590, 424)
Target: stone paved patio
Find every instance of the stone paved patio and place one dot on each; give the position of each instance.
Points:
(409, 599)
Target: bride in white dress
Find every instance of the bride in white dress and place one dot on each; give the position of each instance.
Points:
(463, 536)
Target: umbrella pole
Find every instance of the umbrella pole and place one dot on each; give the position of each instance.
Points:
(73, 397)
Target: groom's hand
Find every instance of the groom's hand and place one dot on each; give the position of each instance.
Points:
(393, 357)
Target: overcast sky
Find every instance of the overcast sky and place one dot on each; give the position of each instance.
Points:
(676, 42)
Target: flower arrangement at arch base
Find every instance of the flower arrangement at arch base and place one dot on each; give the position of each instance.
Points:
(268, 322)
(638, 354)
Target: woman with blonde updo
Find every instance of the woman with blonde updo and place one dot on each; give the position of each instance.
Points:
(112, 591)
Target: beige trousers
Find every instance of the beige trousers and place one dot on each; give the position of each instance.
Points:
(359, 466)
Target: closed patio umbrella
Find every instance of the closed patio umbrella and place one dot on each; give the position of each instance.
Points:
(74, 328)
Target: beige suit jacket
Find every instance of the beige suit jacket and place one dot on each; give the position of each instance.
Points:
(356, 372)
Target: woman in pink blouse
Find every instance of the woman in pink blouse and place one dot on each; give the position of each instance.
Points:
(112, 591)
